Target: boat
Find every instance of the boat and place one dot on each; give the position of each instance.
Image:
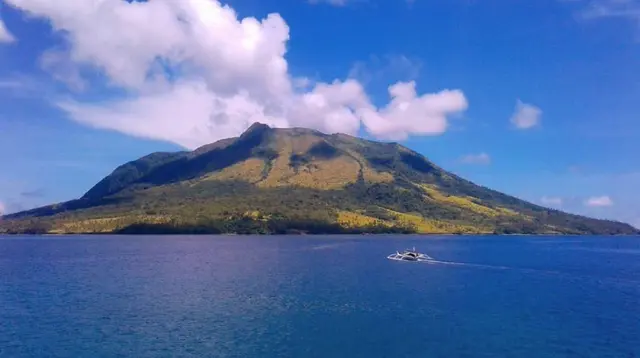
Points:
(410, 255)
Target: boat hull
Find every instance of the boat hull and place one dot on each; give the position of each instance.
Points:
(400, 257)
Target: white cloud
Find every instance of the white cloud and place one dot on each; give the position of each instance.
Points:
(192, 72)
(5, 35)
(599, 201)
(2, 208)
(188, 114)
(526, 115)
(551, 201)
(408, 113)
(481, 159)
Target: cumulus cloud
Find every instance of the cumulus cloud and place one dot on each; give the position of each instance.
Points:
(599, 201)
(2, 208)
(526, 115)
(408, 113)
(192, 71)
(480, 159)
(551, 201)
(5, 35)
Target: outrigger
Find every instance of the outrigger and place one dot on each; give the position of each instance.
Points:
(409, 255)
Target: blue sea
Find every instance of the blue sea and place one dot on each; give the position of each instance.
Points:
(237, 296)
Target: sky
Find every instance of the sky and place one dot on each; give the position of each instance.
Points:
(535, 98)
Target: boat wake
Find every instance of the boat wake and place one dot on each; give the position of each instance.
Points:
(562, 274)
(466, 264)
(414, 256)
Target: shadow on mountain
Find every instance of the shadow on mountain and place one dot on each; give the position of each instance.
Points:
(160, 168)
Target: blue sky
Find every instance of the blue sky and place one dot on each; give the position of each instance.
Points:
(536, 98)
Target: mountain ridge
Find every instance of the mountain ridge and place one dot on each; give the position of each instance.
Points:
(278, 180)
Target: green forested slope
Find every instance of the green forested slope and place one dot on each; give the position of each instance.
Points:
(296, 180)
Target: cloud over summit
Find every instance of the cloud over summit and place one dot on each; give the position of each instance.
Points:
(192, 72)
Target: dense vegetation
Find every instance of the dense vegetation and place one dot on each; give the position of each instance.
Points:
(275, 181)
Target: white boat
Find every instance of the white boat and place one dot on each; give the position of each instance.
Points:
(410, 255)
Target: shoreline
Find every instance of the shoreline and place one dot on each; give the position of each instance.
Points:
(433, 235)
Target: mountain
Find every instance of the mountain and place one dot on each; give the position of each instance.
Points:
(297, 180)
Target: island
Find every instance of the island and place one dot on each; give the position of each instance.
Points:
(298, 181)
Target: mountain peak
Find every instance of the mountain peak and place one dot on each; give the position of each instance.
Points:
(256, 128)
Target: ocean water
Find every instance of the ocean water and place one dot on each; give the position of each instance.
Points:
(234, 296)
